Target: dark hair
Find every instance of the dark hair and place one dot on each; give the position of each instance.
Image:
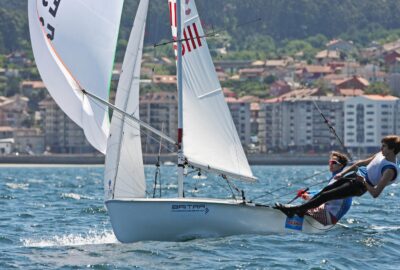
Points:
(342, 158)
(393, 142)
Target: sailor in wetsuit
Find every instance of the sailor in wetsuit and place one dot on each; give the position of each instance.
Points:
(332, 211)
(372, 175)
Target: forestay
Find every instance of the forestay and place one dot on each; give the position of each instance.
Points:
(74, 45)
(124, 172)
(210, 139)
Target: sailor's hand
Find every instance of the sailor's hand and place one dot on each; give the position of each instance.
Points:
(361, 179)
(338, 176)
(305, 196)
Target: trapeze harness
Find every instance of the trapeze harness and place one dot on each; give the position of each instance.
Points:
(348, 186)
(333, 210)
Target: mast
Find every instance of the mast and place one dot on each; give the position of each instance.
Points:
(181, 158)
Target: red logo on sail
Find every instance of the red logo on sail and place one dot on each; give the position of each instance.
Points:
(191, 39)
(191, 35)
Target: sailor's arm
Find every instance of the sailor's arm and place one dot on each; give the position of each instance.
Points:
(375, 191)
(354, 166)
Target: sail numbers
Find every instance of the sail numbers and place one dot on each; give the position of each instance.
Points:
(52, 9)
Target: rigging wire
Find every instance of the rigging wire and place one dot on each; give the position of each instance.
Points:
(291, 193)
(206, 35)
(148, 133)
(130, 123)
(285, 187)
(332, 129)
(158, 171)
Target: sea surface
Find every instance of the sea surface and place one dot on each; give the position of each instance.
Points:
(54, 218)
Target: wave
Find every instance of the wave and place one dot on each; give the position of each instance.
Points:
(17, 185)
(91, 238)
(75, 196)
(385, 228)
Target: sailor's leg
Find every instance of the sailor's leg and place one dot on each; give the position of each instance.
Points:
(347, 189)
(337, 184)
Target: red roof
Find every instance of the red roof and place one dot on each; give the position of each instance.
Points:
(351, 92)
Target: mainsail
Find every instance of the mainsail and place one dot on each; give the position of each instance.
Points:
(74, 44)
(124, 172)
(210, 139)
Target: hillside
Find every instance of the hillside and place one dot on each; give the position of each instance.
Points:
(360, 20)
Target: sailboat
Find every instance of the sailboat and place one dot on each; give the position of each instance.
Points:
(75, 59)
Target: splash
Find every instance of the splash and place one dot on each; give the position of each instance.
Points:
(91, 238)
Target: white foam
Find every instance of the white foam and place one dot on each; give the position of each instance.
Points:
(385, 228)
(75, 196)
(17, 185)
(91, 238)
(199, 176)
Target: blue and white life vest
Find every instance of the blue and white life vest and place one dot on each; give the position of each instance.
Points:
(338, 208)
(375, 169)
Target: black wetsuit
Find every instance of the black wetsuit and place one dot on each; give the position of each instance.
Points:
(343, 188)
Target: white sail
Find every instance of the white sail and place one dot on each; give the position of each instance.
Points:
(74, 45)
(210, 139)
(124, 172)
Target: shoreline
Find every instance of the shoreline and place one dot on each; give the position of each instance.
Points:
(149, 159)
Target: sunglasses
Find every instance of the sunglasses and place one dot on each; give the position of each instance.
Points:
(334, 162)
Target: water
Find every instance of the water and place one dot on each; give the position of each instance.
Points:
(54, 218)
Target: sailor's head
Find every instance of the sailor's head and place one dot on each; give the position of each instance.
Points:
(337, 161)
(390, 145)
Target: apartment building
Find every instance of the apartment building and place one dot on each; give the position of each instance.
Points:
(241, 114)
(61, 134)
(296, 123)
(160, 110)
(13, 110)
(368, 118)
(28, 141)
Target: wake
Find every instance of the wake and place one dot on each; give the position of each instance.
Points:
(90, 238)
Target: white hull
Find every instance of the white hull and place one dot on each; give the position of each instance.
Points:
(175, 219)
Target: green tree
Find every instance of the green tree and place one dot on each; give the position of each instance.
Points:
(378, 88)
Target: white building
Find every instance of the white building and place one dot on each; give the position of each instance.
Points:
(295, 123)
(6, 146)
(367, 119)
(241, 114)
